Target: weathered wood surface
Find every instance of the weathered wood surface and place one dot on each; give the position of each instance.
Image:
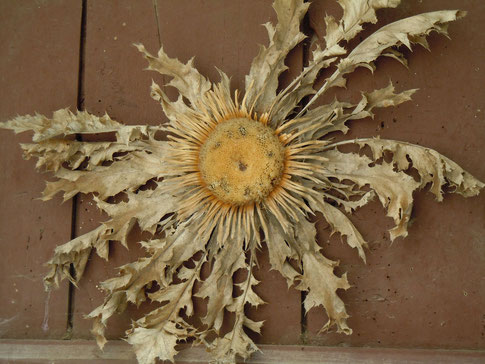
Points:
(427, 290)
(39, 44)
(114, 82)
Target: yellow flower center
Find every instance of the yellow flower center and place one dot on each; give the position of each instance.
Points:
(241, 161)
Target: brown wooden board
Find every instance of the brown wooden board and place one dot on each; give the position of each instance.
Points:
(39, 44)
(218, 34)
(227, 35)
(114, 82)
(427, 290)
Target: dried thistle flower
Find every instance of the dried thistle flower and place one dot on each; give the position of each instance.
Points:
(233, 166)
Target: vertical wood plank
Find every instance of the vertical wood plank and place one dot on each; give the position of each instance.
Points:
(227, 35)
(38, 73)
(426, 290)
(219, 34)
(115, 82)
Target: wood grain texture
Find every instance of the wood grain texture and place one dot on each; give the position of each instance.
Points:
(427, 290)
(114, 82)
(38, 73)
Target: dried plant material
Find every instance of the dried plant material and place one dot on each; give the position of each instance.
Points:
(233, 166)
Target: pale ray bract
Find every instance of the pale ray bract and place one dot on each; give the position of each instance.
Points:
(234, 165)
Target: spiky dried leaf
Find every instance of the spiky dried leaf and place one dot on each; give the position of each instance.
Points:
(432, 167)
(262, 80)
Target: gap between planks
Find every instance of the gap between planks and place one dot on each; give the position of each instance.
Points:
(43, 351)
(75, 200)
(155, 8)
(307, 30)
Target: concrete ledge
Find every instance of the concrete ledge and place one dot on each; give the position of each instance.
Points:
(82, 351)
